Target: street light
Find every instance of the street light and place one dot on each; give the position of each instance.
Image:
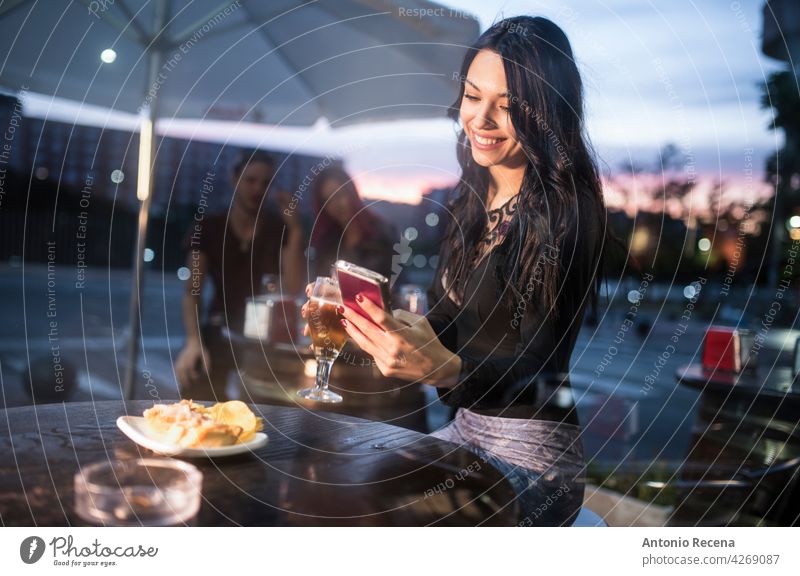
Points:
(108, 55)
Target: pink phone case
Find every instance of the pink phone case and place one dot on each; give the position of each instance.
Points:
(355, 280)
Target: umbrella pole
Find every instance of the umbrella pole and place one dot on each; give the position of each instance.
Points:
(144, 189)
(145, 159)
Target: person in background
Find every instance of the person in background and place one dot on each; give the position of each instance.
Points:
(235, 250)
(346, 229)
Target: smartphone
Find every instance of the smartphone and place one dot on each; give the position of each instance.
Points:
(355, 279)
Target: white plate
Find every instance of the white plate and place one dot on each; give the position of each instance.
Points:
(137, 429)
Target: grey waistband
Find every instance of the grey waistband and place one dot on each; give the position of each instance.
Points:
(537, 445)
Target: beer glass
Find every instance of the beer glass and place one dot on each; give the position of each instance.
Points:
(328, 336)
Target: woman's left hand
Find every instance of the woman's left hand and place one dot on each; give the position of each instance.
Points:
(403, 345)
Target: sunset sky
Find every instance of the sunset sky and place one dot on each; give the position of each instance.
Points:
(683, 72)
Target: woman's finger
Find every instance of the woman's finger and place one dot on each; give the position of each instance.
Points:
(361, 340)
(365, 325)
(377, 314)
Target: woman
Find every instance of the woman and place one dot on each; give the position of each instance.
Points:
(345, 229)
(517, 267)
(235, 249)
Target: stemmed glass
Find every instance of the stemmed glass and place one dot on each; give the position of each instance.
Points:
(328, 336)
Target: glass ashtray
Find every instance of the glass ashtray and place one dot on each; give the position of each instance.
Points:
(143, 492)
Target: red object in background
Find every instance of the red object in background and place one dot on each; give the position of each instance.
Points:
(727, 349)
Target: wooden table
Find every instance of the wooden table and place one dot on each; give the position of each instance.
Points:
(772, 391)
(317, 469)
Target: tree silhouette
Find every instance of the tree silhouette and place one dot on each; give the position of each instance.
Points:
(781, 94)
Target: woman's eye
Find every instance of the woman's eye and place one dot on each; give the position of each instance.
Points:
(504, 108)
(471, 98)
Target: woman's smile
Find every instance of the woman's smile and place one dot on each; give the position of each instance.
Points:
(485, 142)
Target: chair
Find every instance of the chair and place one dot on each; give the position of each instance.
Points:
(739, 473)
(588, 519)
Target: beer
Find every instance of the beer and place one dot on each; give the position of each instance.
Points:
(328, 336)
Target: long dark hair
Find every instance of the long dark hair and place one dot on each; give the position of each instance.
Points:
(365, 220)
(546, 111)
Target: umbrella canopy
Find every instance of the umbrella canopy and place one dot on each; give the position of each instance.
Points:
(276, 62)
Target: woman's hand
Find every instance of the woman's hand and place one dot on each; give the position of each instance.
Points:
(403, 345)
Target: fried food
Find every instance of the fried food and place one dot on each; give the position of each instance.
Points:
(193, 425)
(236, 413)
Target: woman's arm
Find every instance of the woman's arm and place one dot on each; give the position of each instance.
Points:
(194, 353)
(413, 347)
(504, 380)
(481, 379)
(408, 346)
(544, 339)
(402, 344)
(442, 312)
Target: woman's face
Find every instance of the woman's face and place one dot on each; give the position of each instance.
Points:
(335, 201)
(251, 185)
(484, 113)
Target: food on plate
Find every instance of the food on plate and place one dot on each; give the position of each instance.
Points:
(193, 425)
(236, 413)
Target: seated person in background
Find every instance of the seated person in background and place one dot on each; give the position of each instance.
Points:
(345, 229)
(235, 249)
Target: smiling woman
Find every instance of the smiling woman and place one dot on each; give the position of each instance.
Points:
(518, 265)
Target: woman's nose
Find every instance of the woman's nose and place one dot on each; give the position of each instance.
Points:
(485, 117)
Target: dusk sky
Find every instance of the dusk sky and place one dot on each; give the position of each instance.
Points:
(680, 71)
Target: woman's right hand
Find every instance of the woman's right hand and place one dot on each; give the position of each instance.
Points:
(193, 355)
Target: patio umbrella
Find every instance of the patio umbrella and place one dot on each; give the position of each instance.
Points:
(278, 62)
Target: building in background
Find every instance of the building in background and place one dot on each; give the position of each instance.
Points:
(57, 173)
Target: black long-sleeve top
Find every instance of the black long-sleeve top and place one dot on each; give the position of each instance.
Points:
(504, 352)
